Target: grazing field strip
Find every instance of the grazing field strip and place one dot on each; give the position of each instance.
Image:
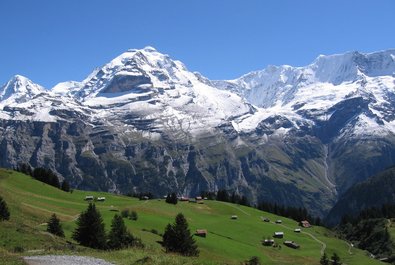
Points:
(237, 208)
(71, 217)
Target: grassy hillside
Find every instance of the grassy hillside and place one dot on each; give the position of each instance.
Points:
(229, 241)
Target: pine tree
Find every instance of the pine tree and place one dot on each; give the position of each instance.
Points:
(65, 186)
(170, 239)
(178, 238)
(90, 229)
(119, 237)
(253, 261)
(335, 259)
(4, 212)
(46, 176)
(54, 226)
(172, 198)
(324, 260)
(133, 216)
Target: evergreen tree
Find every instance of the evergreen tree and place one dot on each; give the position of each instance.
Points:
(90, 229)
(172, 198)
(25, 169)
(119, 237)
(324, 260)
(133, 216)
(253, 261)
(125, 213)
(54, 226)
(178, 238)
(170, 239)
(46, 176)
(4, 212)
(335, 259)
(65, 186)
(222, 195)
(244, 201)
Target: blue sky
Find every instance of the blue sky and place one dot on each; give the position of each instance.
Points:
(52, 41)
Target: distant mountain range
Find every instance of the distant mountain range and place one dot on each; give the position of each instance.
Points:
(143, 123)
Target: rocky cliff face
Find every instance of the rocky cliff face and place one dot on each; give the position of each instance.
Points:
(144, 123)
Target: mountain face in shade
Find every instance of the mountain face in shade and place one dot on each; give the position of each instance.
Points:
(293, 135)
(373, 192)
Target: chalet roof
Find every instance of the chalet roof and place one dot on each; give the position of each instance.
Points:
(201, 231)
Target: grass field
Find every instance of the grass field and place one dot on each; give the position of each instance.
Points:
(228, 241)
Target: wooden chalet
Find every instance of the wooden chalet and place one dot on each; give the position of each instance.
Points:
(201, 232)
(101, 199)
(89, 198)
(291, 244)
(305, 224)
(268, 242)
(183, 199)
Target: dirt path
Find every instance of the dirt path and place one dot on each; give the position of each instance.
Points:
(237, 208)
(64, 260)
(323, 245)
(317, 240)
(350, 246)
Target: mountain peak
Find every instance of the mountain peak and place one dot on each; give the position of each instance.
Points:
(346, 67)
(19, 80)
(146, 49)
(135, 70)
(21, 86)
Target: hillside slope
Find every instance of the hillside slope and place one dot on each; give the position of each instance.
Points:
(374, 192)
(228, 241)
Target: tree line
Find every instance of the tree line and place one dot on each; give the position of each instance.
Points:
(295, 213)
(44, 175)
(368, 230)
(384, 211)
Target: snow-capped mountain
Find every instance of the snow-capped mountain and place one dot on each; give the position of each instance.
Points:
(312, 91)
(143, 122)
(281, 84)
(19, 89)
(155, 87)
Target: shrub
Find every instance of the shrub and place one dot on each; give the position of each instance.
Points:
(125, 213)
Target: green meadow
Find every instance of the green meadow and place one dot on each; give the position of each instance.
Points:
(228, 241)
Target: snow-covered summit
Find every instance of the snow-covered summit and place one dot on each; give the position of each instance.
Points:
(339, 68)
(67, 88)
(279, 85)
(135, 70)
(20, 89)
(150, 86)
